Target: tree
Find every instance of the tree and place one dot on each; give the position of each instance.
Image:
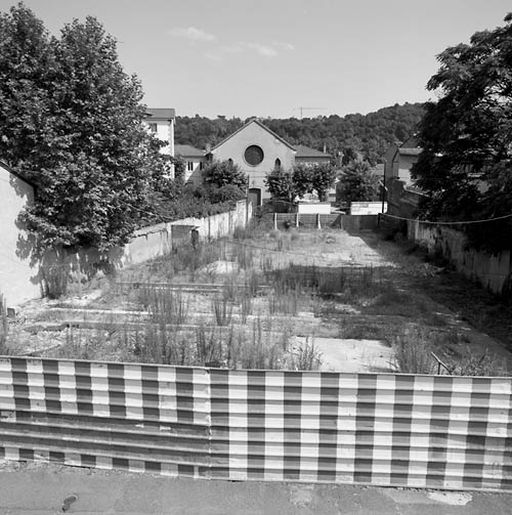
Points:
(72, 123)
(323, 177)
(281, 185)
(302, 178)
(467, 137)
(357, 182)
(223, 173)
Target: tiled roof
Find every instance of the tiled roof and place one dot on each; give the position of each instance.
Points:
(160, 113)
(188, 151)
(303, 151)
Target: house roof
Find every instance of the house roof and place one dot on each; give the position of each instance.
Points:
(160, 113)
(188, 151)
(6, 167)
(256, 121)
(410, 147)
(303, 151)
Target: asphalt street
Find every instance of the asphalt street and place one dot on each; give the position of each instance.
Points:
(50, 489)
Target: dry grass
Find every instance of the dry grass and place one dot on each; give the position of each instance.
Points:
(4, 326)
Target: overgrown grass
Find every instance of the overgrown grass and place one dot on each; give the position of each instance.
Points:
(413, 353)
(4, 326)
(306, 357)
(166, 307)
(222, 307)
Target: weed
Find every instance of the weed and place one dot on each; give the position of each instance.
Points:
(55, 280)
(4, 326)
(223, 310)
(165, 306)
(244, 256)
(245, 305)
(485, 364)
(208, 347)
(413, 352)
(307, 357)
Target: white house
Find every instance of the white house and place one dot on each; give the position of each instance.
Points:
(18, 282)
(161, 121)
(195, 160)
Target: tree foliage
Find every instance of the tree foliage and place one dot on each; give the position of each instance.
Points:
(71, 122)
(281, 185)
(322, 179)
(352, 135)
(223, 173)
(467, 137)
(287, 185)
(357, 182)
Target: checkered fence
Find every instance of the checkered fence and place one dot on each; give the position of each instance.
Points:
(382, 429)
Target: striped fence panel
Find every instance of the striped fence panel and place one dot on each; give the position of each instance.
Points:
(381, 429)
(392, 430)
(105, 415)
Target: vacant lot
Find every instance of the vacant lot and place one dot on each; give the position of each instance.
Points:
(318, 299)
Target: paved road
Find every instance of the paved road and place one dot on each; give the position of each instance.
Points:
(42, 489)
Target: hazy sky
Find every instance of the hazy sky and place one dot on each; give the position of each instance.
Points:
(268, 57)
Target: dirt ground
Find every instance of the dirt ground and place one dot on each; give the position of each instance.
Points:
(355, 331)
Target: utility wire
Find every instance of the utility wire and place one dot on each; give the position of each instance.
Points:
(458, 222)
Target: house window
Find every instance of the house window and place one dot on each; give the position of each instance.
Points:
(253, 155)
(153, 127)
(277, 164)
(201, 165)
(190, 166)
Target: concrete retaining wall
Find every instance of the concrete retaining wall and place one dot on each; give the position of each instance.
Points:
(56, 266)
(491, 271)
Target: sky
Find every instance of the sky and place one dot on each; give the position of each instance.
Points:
(270, 57)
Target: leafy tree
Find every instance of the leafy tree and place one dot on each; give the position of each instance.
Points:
(180, 166)
(281, 185)
(223, 173)
(323, 177)
(71, 122)
(467, 137)
(357, 182)
(302, 178)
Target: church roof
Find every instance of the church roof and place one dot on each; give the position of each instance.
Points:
(263, 126)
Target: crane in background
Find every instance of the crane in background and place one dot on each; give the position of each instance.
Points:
(301, 109)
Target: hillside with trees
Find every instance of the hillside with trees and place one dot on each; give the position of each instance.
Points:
(368, 136)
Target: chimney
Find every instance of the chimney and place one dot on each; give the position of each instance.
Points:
(325, 148)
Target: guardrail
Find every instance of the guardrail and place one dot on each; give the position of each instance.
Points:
(381, 429)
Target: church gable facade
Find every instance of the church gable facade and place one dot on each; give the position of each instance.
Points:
(257, 151)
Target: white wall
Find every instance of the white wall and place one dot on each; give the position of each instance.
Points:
(367, 208)
(314, 208)
(18, 281)
(164, 132)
